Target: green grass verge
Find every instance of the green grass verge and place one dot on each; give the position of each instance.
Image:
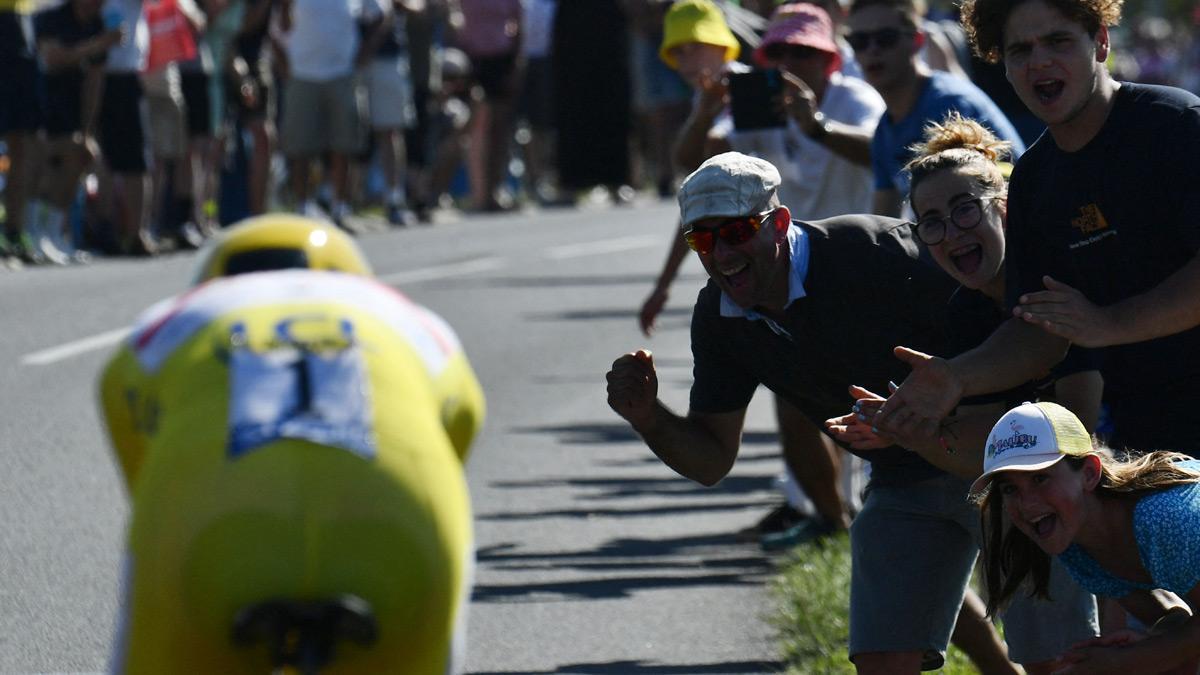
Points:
(812, 615)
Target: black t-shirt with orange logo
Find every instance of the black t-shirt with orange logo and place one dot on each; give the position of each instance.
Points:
(1114, 219)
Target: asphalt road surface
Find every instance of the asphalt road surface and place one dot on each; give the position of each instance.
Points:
(592, 556)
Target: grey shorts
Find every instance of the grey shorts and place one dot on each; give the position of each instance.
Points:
(913, 549)
(323, 116)
(390, 95)
(167, 126)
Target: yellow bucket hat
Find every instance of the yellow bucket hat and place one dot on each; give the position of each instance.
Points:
(696, 21)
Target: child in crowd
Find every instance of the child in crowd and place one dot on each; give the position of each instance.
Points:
(1122, 528)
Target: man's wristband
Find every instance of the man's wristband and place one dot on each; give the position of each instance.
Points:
(820, 128)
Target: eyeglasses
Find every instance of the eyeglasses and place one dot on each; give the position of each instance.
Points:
(780, 51)
(965, 216)
(733, 232)
(885, 38)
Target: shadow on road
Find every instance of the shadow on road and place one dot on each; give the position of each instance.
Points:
(622, 313)
(646, 281)
(717, 568)
(620, 432)
(637, 486)
(499, 281)
(601, 589)
(653, 511)
(643, 668)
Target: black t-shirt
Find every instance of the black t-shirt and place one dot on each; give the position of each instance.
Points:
(867, 291)
(14, 45)
(1114, 219)
(64, 85)
(973, 319)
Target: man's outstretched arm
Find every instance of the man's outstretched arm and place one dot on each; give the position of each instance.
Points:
(1016, 353)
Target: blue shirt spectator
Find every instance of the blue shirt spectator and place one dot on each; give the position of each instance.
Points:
(942, 93)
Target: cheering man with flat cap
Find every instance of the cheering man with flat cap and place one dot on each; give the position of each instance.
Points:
(808, 309)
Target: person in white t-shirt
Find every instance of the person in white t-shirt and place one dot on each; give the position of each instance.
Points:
(825, 147)
(324, 103)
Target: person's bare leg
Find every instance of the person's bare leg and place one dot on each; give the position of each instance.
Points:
(813, 461)
(339, 171)
(664, 122)
(203, 182)
(499, 143)
(979, 640)
(385, 141)
(68, 159)
(477, 154)
(298, 173)
(15, 190)
(393, 159)
(260, 165)
(535, 163)
(135, 193)
(446, 160)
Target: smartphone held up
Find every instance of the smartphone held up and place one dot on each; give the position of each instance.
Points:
(752, 97)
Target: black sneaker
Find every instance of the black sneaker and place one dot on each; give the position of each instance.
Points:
(779, 519)
(813, 529)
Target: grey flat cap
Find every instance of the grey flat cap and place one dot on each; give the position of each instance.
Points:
(728, 185)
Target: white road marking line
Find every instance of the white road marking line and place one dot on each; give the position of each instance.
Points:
(74, 348)
(442, 271)
(601, 246)
(102, 340)
(112, 337)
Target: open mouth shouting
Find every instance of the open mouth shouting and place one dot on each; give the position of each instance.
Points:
(736, 273)
(966, 258)
(1048, 90)
(1043, 526)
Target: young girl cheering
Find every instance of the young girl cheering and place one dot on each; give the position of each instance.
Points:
(1122, 528)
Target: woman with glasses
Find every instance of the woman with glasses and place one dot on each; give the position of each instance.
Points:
(958, 195)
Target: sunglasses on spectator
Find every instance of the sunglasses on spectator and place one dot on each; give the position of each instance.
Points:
(733, 232)
(780, 51)
(931, 230)
(885, 38)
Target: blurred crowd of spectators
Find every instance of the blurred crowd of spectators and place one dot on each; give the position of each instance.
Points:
(132, 127)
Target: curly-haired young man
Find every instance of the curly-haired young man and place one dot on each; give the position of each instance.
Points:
(1102, 231)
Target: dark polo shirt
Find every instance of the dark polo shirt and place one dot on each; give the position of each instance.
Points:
(867, 290)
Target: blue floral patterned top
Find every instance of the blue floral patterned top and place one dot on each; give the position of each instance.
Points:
(1167, 528)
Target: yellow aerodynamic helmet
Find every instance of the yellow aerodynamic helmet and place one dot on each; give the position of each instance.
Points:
(279, 241)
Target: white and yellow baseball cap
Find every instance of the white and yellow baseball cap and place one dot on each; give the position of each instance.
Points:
(1032, 437)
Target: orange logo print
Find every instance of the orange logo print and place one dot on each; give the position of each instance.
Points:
(1090, 219)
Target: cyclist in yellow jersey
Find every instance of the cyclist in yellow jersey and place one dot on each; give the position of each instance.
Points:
(291, 434)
